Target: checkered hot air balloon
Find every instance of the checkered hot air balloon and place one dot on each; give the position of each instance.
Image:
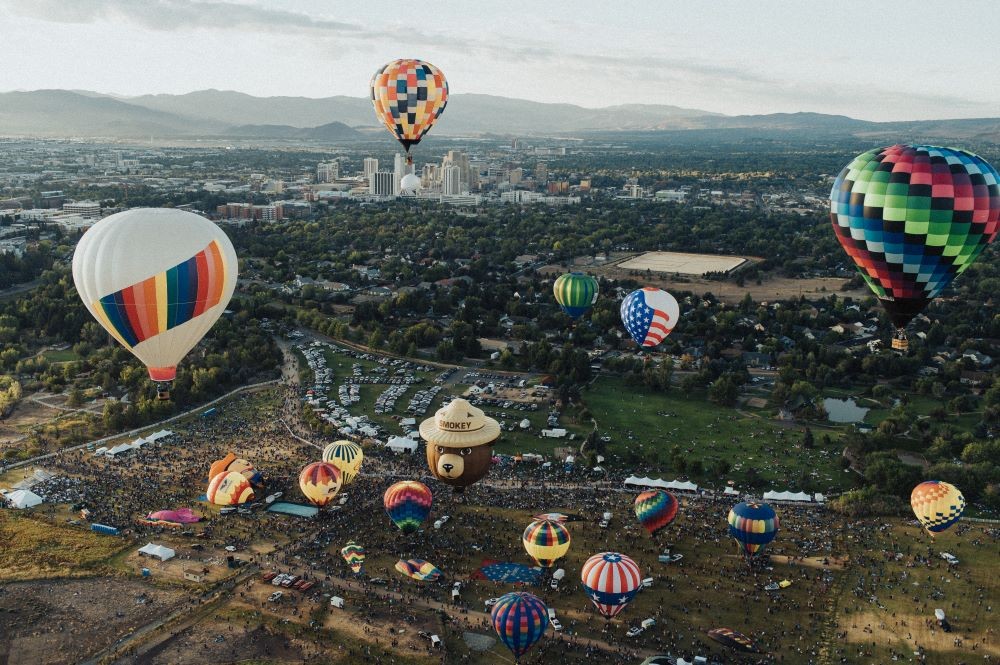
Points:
(937, 504)
(520, 620)
(649, 315)
(655, 509)
(346, 456)
(576, 293)
(912, 217)
(408, 503)
(354, 555)
(611, 581)
(546, 541)
(409, 96)
(752, 525)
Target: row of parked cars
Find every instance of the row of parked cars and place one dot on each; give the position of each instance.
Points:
(286, 581)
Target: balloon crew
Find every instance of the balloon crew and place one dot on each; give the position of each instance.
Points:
(156, 279)
(912, 218)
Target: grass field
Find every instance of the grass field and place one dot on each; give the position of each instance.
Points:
(645, 426)
(683, 263)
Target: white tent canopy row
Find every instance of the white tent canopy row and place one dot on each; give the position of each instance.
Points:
(786, 496)
(161, 552)
(678, 485)
(22, 499)
(401, 444)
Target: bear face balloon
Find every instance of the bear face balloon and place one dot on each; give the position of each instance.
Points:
(460, 441)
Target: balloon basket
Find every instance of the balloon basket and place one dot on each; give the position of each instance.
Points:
(163, 392)
(900, 343)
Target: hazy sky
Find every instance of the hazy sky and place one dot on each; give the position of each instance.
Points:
(874, 60)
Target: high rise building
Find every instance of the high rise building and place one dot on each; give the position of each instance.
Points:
(371, 166)
(468, 175)
(541, 172)
(327, 171)
(399, 169)
(383, 183)
(451, 180)
(429, 175)
(515, 175)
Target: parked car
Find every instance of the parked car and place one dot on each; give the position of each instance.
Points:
(275, 597)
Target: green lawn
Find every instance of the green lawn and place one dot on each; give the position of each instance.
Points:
(63, 356)
(645, 426)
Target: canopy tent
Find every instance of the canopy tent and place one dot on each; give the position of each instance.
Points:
(677, 485)
(139, 443)
(819, 498)
(156, 436)
(401, 444)
(22, 499)
(119, 449)
(787, 496)
(159, 551)
(731, 491)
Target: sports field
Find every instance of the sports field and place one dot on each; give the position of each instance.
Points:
(683, 263)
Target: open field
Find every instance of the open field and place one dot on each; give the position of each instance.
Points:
(683, 263)
(644, 427)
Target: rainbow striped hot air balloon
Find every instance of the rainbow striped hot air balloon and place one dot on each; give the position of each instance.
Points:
(752, 525)
(611, 580)
(576, 293)
(655, 509)
(408, 503)
(157, 280)
(346, 456)
(354, 555)
(520, 620)
(937, 504)
(409, 96)
(320, 482)
(418, 569)
(546, 541)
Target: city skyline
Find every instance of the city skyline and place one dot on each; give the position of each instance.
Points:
(732, 59)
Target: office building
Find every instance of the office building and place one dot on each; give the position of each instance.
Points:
(451, 180)
(327, 171)
(86, 209)
(370, 167)
(383, 183)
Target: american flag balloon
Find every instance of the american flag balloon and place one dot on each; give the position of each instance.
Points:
(649, 315)
(611, 581)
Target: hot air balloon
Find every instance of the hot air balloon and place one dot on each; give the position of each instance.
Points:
(320, 482)
(546, 541)
(156, 279)
(576, 293)
(655, 509)
(233, 463)
(409, 96)
(520, 620)
(753, 525)
(937, 504)
(732, 639)
(408, 504)
(611, 580)
(229, 488)
(354, 555)
(649, 315)
(346, 456)
(912, 218)
(418, 569)
(460, 440)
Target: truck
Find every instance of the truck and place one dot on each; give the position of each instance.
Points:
(557, 578)
(605, 520)
(337, 601)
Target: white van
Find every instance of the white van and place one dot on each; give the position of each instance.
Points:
(552, 613)
(647, 582)
(337, 601)
(435, 641)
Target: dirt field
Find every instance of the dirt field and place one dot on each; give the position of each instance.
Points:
(683, 263)
(65, 621)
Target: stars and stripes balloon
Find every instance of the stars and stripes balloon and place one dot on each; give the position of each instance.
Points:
(156, 279)
(354, 555)
(752, 525)
(408, 503)
(912, 217)
(409, 96)
(520, 620)
(576, 293)
(546, 541)
(937, 504)
(649, 315)
(655, 509)
(346, 456)
(611, 581)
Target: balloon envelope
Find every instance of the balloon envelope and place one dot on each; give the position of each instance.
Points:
(408, 503)
(753, 525)
(229, 488)
(347, 457)
(156, 280)
(611, 581)
(409, 185)
(732, 639)
(912, 218)
(520, 620)
(409, 96)
(649, 315)
(320, 482)
(937, 504)
(576, 293)
(354, 555)
(546, 541)
(418, 569)
(655, 509)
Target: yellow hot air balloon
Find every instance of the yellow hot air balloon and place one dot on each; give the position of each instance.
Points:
(157, 279)
(320, 482)
(937, 504)
(346, 456)
(545, 541)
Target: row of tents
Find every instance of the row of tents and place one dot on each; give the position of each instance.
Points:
(686, 486)
(122, 448)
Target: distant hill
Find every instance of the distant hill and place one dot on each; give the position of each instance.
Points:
(222, 113)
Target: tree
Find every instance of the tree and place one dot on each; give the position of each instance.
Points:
(723, 391)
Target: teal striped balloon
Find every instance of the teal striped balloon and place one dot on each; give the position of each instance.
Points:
(576, 293)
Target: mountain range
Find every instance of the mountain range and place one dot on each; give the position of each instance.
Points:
(229, 114)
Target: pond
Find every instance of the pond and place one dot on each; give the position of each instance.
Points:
(844, 410)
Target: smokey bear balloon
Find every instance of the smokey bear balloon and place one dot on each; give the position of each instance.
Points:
(460, 441)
